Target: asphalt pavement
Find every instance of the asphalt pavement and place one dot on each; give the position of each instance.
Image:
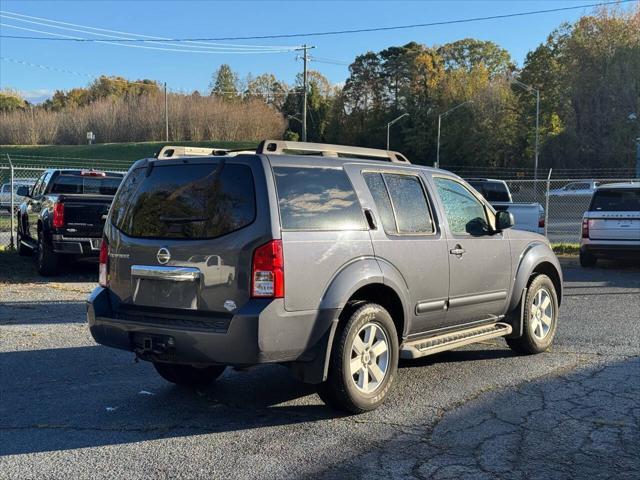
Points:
(72, 409)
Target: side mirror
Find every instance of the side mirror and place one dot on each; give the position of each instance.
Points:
(22, 191)
(504, 220)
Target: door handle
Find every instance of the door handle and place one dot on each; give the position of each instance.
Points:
(371, 220)
(458, 251)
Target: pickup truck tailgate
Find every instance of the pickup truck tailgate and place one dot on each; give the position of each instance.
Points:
(85, 216)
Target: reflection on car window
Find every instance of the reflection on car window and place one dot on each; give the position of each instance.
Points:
(464, 212)
(185, 201)
(317, 199)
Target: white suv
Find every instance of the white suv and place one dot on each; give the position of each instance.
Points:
(611, 227)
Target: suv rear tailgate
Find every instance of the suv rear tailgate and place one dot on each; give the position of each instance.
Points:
(614, 225)
(614, 214)
(182, 234)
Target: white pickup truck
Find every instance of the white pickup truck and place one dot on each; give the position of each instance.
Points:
(528, 216)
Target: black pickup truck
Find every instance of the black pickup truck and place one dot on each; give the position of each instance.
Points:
(63, 215)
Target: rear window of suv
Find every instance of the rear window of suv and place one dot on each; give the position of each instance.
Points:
(317, 199)
(79, 184)
(195, 201)
(616, 200)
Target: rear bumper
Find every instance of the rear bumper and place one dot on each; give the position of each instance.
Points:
(622, 248)
(260, 332)
(76, 246)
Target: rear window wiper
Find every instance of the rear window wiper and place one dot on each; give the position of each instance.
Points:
(182, 219)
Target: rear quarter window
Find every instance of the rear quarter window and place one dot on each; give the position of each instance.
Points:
(317, 199)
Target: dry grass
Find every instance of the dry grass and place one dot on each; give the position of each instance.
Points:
(135, 119)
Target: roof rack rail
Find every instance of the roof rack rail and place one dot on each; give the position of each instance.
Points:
(285, 147)
(170, 152)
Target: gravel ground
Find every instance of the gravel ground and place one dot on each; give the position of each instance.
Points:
(70, 408)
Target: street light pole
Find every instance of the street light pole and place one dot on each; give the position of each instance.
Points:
(532, 90)
(440, 117)
(391, 123)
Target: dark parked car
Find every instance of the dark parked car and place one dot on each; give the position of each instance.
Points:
(338, 262)
(63, 215)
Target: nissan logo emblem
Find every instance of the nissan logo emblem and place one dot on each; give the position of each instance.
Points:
(163, 256)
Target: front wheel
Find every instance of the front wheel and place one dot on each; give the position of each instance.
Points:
(540, 318)
(188, 375)
(364, 361)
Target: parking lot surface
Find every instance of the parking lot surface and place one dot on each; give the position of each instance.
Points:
(72, 409)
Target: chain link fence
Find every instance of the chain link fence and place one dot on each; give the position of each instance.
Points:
(564, 200)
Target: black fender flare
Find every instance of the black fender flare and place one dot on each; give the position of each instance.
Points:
(532, 257)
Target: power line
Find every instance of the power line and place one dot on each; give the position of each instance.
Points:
(335, 32)
(146, 47)
(56, 23)
(331, 61)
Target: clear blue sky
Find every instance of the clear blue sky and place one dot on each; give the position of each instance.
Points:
(189, 71)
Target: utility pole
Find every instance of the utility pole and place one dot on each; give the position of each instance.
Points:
(305, 57)
(535, 164)
(304, 101)
(166, 113)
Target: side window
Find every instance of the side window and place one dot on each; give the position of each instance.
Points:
(380, 195)
(464, 212)
(401, 202)
(35, 191)
(312, 198)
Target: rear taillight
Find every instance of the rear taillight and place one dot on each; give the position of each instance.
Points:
(585, 228)
(267, 271)
(103, 275)
(541, 222)
(58, 215)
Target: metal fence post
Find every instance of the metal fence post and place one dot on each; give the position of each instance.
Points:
(11, 206)
(546, 204)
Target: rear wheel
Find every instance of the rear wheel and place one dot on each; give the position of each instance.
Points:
(46, 259)
(587, 259)
(364, 361)
(540, 318)
(188, 375)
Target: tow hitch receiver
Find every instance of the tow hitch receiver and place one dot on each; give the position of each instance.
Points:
(145, 344)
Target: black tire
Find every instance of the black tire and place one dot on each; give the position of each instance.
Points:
(587, 260)
(340, 390)
(46, 260)
(530, 343)
(21, 249)
(188, 375)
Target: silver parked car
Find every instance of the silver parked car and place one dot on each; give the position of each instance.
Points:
(5, 194)
(334, 261)
(611, 226)
(583, 188)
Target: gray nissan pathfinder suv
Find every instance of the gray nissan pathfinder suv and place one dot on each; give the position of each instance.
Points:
(334, 261)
